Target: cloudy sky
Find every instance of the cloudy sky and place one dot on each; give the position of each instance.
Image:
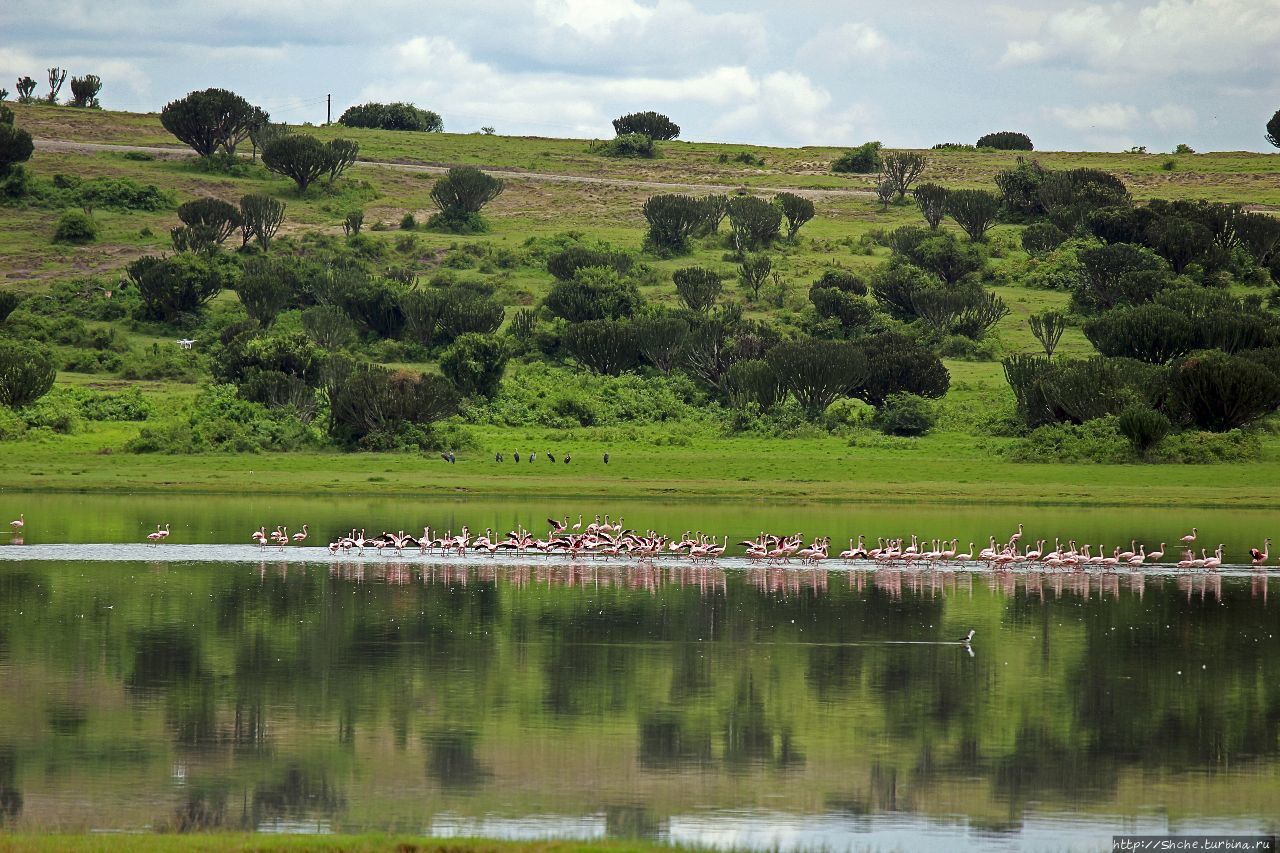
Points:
(1074, 75)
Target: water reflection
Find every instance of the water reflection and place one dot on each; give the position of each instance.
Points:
(768, 706)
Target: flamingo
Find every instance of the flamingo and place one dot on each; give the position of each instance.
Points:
(1260, 557)
(578, 526)
(1216, 560)
(1190, 537)
(158, 536)
(1155, 556)
(301, 537)
(1138, 558)
(18, 523)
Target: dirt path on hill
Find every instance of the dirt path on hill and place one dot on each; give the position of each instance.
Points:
(62, 146)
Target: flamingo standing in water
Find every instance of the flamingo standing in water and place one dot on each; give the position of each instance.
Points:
(1155, 556)
(301, 537)
(158, 536)
(1260, 557)
(1215, 561)
(18, 523)
(1189, 538)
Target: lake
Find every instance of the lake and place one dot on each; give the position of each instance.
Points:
(763, 707)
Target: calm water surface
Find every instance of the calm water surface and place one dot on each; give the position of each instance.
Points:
(770, 708)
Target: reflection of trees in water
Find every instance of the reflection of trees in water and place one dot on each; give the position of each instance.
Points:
(299, 792)
(10, 795)
(666, 743)
(633, 821)
(452, 762)
(749, 736)
(203, 809)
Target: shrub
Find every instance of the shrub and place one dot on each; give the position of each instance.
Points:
(843, 280)
(816, 372)
(268, 286)
(753, 382)
(968, 311)
(931, 199)
(797, 210)
(1006, 140)
(605, 346)
(1040, 238)
(461, 194)
(630, 145)
(1220, 392)
(210, 216)
(75, 226)
(595, 293)
(371, 401)
(1183, 148)
(328, 326)
(182, 284)
(394, 116)
(1020, 188)
(468, 312)
(849, 311)
(16, 146)
(1151, 333)
(9, 300)
(564, 265)
(904, 414)
(938, 252)
(474, 363)
(650, 124)
(895, 287)
(210, 120)
(1143, 426)
(672, 220)
(352, 223)
(1118, 274)
(901, 168)
(975, 211)
(697, 287)
(755, 223)
(219, 420)
(120, 194)
(26, 373)
(1097, 441)
(1076, 391)
(863, 160)
(713, 210)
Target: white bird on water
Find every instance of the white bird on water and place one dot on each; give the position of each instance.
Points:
(966, 640)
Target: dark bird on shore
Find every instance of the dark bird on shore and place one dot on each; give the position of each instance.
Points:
(516, 456)
(444, 456)
(497, 457)
(452, 459)
(567, 457)
(532, 457)
(606, 459)
(550, 458)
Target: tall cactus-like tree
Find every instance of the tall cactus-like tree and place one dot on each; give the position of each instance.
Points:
(26, 90)
(932, 201)
(901, 168)
(84, 91)
(797, 209)
(57, 76)
(1048, 327)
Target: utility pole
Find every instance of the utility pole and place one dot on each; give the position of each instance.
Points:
(328, 109)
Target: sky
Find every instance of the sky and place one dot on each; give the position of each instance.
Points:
(1073, 75)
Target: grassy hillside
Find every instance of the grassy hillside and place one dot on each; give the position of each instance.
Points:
(963, 459)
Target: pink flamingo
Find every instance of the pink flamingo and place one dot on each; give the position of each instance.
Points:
(18, 523)
(1190, 537)
(301, 537)
(1260, 557)
(156, 537)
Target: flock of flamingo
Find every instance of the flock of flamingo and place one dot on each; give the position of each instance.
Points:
(607, 539)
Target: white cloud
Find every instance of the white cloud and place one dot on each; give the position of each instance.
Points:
(1098, 118)
(593, 18)
(848, 44)
(1174, 117)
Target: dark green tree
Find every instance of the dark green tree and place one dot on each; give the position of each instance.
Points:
(212, 218)
(268, 286)
(698, 287)
(370, 400)
(901, 169)
(299, 157)
(396, 116)
(660, 339)
(753, 382)
(651, 124)
(474, 363)
(1143, 426)
(564, 265)
(797, 209)
(863, 160)
(26, 372)
(753, 272)
(461, 194)
(1118, 274)
(1273, 129)
(1220, 392)
(755, 223)
(1047, 327)
(177, 285)
(895, 364)
(260, 218)
(672, 220)
(469, 313)
(1151, 333)
(605, 346)
(595, 293)
(817, 372)
(208, 120)
(342, 155)
(1006, 140)
(932, 201)
(16, 146)
(975, 211)
(84, 91)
